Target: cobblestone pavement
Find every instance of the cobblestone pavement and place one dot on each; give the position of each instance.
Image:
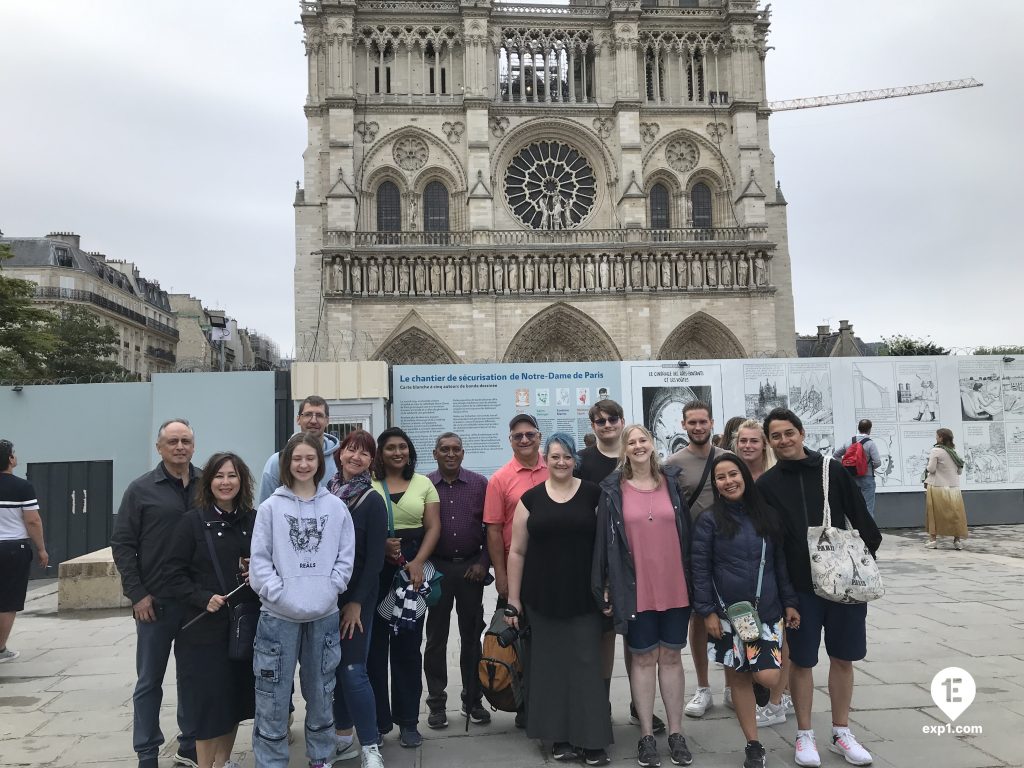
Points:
(66, 701)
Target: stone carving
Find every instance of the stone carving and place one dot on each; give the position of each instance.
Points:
(356, 279)
(760, 271)
(619, 275)
(636, 275)
(589, 274)
(696, 273)
(603, 274)
(543, 275)
(453, 131)
(499, 277)
(648, 132)
(435, 278)
(449, 276)
(666, 272)
(498, 125)
(742, 274)
(466, 277)
(717, 131)
(403, 277)
(528, 276)
(559, 275)
(412, 214)
(513, 276)
(483, 279)
(682, 155)
(688, 204)
(680, 272)
(604, 126)
(652, 273)
(410, 153)
(712, 272)
(373, 278)
(550, 185)
(419, 277)
(367, 131)
(574, 274)
(727, 273)
(389, 277)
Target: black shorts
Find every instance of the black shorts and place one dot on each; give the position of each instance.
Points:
(15, 559)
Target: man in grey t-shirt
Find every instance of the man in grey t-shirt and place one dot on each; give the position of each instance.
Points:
(694, 460)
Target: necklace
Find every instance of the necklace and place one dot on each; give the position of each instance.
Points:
(649, 493)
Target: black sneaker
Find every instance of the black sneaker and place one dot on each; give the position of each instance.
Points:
(647, 753)
(148, 762)
(596, 757)
(521, 718)
(678, 750)
(754, 755)
(477, 713)
(657, 724)
(186, 757)
(563, 750)
(437, 719)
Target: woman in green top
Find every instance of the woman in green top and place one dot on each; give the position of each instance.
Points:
(414, 510)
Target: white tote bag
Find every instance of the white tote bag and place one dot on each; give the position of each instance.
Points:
(842, 568)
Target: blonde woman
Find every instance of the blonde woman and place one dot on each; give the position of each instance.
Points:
(752, 446)
(642, 575)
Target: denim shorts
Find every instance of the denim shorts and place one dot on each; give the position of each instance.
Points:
(845, 628)
(653, 628)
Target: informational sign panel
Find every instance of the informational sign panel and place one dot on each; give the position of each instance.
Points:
(477, 402)
(981, 399)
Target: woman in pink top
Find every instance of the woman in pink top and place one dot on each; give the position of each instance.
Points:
(642, 575)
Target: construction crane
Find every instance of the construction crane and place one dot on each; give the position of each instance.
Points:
(882, 93)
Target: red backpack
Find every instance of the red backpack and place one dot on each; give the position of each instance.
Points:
(856, 458)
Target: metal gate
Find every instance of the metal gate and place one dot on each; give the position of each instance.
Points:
(76, 504)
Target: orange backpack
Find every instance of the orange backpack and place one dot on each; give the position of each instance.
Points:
(500, 669)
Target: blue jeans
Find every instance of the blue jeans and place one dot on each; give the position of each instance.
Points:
(867, 490)
(316, 646)
(353, 697)
(153, 642)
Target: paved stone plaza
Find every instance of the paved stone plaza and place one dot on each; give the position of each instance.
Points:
(67, 700)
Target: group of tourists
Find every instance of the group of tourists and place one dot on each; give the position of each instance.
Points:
(334, 565)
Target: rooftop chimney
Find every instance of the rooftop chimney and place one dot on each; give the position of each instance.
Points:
(67, 237)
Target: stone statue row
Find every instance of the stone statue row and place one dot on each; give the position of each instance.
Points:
(569, 273)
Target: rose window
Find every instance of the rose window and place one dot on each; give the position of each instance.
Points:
(550, 185)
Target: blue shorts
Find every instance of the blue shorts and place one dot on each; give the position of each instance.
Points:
(653, 628)
(845, 628)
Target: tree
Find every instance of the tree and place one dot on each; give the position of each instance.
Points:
(1005, 350)
(85, 348)
(899, 345)
(25, 338)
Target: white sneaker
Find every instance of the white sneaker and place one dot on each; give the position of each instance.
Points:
(771, 714)
(346, 752)
(700, 703)
(807, 750)
(371, 757)
(787, 702)
(844, 743)
(727, 698)
(231, 764)
(8, 655)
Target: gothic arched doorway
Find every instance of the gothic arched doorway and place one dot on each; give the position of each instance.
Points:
(561, 333)
(701, 337)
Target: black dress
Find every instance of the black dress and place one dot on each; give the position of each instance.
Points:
(218, 691)
(567, 698)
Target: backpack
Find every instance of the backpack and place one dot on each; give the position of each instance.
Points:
(500, 669)
(856, 458)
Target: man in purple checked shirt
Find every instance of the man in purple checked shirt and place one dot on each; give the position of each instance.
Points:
(461, 555)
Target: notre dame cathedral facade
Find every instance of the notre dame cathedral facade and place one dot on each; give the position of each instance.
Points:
(487, 181)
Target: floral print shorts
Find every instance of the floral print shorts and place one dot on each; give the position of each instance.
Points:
(732, 652)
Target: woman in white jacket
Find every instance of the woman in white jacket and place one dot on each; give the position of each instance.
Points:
(303, 548)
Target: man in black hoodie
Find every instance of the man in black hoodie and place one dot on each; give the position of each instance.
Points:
(794, 487)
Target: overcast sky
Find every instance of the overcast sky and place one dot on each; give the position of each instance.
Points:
(171, 135)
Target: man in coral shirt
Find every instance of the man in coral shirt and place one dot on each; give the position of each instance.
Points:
(525, 470)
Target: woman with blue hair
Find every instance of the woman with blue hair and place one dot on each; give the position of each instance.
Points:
(549, 567)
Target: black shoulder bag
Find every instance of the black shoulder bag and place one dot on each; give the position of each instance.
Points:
(243, 617)
(703, 479)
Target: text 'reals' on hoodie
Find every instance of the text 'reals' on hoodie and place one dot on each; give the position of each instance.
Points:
(302, 554)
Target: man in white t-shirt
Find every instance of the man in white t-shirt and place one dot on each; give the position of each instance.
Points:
(19, 524)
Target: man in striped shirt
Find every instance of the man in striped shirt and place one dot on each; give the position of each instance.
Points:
(19, 523)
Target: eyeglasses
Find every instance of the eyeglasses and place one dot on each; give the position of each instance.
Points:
(450, 451)
(313, 416)
(613, 420)
(518, 437)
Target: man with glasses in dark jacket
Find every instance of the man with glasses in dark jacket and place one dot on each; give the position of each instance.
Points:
(150, 510)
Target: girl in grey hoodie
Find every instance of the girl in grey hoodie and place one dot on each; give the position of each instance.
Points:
(303, 548)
